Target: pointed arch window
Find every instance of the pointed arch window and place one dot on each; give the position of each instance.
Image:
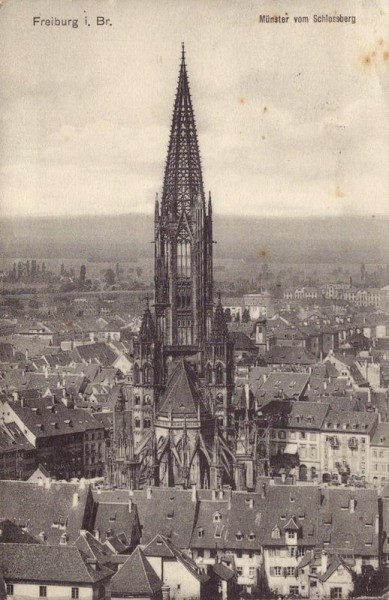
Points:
(219, 374)
(209, 373)
(183, 258)
(147, 374)
(136, 373)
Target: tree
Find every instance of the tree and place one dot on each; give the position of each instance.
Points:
(109, 277)
(82, 275)
(246, 315)
(227, 315)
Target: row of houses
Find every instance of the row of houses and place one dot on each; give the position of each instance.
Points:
(295, 540)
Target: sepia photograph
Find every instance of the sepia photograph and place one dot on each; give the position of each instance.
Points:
(194, 299)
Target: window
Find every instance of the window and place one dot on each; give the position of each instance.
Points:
(291, 535)
(336, 592)
(276, 533)
(42, 591)
(239, 571)
(278, 571)
(147, 423)
(137, 423)
(200, 553)
(219, 374)
(137, 399)
(251, 572)
(294, 590)
(75, 592)
(10, 589)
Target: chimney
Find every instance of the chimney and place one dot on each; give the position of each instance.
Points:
(43, 536)
(92, 563)
(263, 491)
(165, 592)
(81, 485)
(76, 499)
(213, 494)
(194, 493)
(351, 505)
(130, 503)
(16, 397)
(283, 477)
(251, 502)
(324, 562)
(377, 524)
(325, 385)
(96, 534)
(83, 532)
(48, 483)
(149, 493)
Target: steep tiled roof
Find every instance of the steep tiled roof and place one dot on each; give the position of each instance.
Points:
(353, 520)
(355, 422)
(88, 545)
(293, 355)
(182, 394)
(99, 353)
(136, 576)
(169, 512)
(161, 546)
(291, 502)
(41, 563)
(62, 508)
(43, 417)
(11, 533)
(113, 517)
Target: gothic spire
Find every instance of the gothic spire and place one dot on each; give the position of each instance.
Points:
(219, 326)
(183, 184)
(147, 328)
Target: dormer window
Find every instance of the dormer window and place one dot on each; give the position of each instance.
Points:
(276, 534)
(239, 536)
(217, 517)
(251, 536)
(200, 532)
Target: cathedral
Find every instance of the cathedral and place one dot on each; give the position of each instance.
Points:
(176, 425)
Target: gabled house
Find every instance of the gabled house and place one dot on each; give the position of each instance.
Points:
(179, 572)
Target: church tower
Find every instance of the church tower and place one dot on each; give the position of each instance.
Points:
(183, 240)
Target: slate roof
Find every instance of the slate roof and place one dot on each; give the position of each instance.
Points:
(293, 355)
(299, 503)
(355, 422)
(161, 546)
(136, 577)
(242, 341)
(169, 512)
(381, 436)
(88, 545)
(183, 393)
(41, 563)
(12, 534)
(113, 518)
(345, 529)
(99, 353)
(49, 510)
(44, 418)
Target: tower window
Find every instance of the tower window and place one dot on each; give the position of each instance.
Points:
(137, 400)
(183, 259)
(219, 374)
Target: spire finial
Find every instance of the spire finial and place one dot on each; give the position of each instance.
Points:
(183, 52)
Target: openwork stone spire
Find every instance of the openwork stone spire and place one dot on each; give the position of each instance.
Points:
(183, 184)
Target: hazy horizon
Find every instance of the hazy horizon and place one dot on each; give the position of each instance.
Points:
(85, 112)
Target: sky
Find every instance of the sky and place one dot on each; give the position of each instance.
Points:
(292, 118)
